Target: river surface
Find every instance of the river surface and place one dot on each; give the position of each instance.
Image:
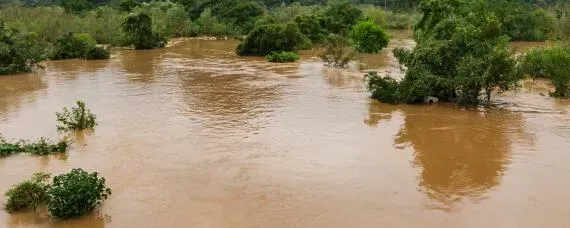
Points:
(194, 136)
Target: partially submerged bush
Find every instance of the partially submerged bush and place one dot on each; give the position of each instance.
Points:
(338, 52)
(384, 89)
(268, 38)
(78, 118)
(41, 147)
(76, 193)
(28, 194)
(552, 63)
(460, 56)
(368, 37)
(139, 32)
(97, 53)
(71, 45)
(282, 57)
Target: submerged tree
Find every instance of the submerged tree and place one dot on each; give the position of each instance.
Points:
(460, 55)
(338, 52)
(368, 37)
(28, 194)
(139, 32)
(268, 38)
(552, 63)
(78, 118)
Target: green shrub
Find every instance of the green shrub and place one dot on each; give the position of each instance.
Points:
(97, 53)
(139, 32)
(340, 16)
(309, 25)
(41, 147)
(19, 52)
(368, 37)
(523, 21)
(282, 57)
(384, 89)
(28, 194)
(553, 63)
(460, 55)
(71, 46)
(268, 38)
(76, 193)
(338, 52)
(77, 119)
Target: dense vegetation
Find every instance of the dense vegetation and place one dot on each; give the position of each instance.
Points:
(19, 52)
(552, 63)
(41, 147)
(460, 56)
(69, 195)
(71, 46)
(282, 57)
(78, 118)
(76, 193)
(368, 37)
(29, 194)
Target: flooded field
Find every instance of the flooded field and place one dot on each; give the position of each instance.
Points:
(194, 136)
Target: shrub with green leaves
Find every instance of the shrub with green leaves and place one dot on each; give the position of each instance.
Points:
(76, 193)
(282, 57)
(368, 37)
(71, 45)
(29, 194)
(268, 38)
(460, 55)
(41, 147)
(139, 32)
(19, 52)
(552, 63)
(384, 89)
(338, 52)
(78, 118)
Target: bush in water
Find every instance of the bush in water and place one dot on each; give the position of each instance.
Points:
(268, 38)
(41, 147)
(552, 63)
(338, 52)
(76, 193)
(28, 194)
(70, 46)
(384, 89)
(282, 57)
(368, 37)
(78, 118)
(139, 32)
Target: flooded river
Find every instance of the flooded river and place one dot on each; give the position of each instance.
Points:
(194, 136)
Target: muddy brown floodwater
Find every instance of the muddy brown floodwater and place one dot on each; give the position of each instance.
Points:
(194, 136)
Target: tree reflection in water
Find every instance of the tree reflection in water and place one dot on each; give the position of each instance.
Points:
(461, 153)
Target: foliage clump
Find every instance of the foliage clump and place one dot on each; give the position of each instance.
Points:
(72, 45)
(19, 52)
(29, 194)
(69, 195)
(268, 38)
(76, 193)
(552, 63)
(139, 32)
(460, 55)
(78, 118)
(41, 147)
(338, 52)
(282, 57)
(383, 88)
(368, 37)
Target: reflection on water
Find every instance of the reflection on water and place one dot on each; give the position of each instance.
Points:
(194, 136)
(18, 89)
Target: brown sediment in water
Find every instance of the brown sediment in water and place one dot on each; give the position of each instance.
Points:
(194, 136)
